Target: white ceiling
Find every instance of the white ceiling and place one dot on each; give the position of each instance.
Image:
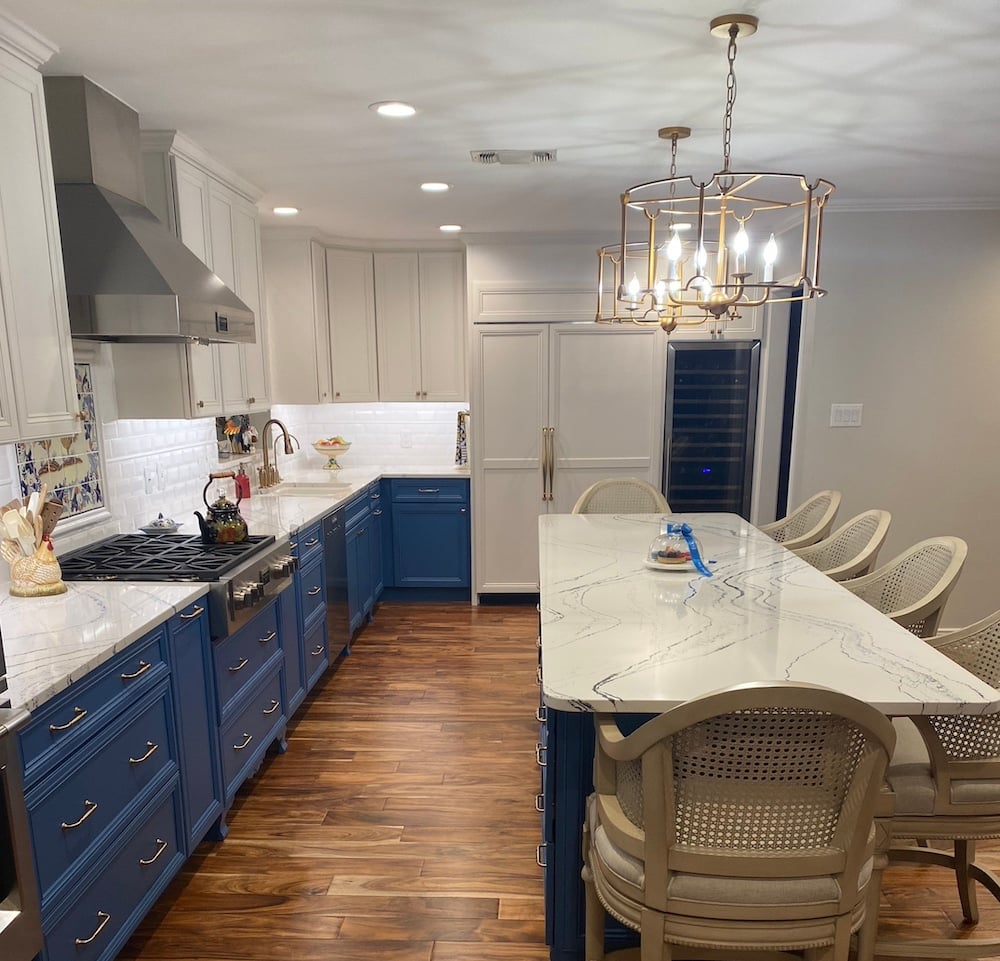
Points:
(895, 101)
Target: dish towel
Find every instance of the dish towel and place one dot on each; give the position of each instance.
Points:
(462, 439)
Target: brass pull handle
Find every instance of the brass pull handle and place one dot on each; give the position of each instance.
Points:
(428, 490)
(545, 463)
(251, 400)
(376, 513)
(540, 855)
(143, 667)
(337, 394)
(538, 675)
(163, 847)
(318, 651)
(197, 612)
(152, 750)
(78, 715)
(312, 542)
(539, 802)
(417, 394)
(104, 918)
(540, 753)
(274, 706)
(541, 714)
(239, 667)
(267, 638)
(90, 808)
(239, 747)
(313, 592)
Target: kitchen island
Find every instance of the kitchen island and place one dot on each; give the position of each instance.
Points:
(617, 637)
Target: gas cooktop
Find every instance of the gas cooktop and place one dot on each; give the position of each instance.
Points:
(159, 557)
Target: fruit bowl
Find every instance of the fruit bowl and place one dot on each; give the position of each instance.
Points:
(331, 449)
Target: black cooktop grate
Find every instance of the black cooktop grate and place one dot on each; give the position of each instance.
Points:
(158, 557)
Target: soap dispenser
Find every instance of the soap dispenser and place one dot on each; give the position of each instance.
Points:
(242, 484)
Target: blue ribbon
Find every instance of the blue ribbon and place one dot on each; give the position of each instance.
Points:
(685, 530)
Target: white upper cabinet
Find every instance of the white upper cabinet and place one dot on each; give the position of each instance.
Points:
(37, 384)
(351, 303)
(214, 214)
(420, 313)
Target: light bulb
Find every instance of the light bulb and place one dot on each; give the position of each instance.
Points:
(741, 243)
(659, 292)
(701, 258)
(633, 289)
(770, 256)
(674, 248)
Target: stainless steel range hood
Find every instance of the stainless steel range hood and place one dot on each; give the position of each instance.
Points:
(128, 279)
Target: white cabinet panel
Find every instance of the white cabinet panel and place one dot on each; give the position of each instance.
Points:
(246, 249)
(351, 300)
(598, 390)
(442, 326)
(397, 313)
(37, 383)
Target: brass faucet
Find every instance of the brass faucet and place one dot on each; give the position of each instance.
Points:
(268, 474)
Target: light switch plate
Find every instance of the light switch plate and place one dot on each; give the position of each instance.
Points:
(845, 415)
(149, 476)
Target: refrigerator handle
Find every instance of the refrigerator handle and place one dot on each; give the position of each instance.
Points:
(545, 463)
(552, 461)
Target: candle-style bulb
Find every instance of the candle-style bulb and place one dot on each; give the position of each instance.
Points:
(674, 248)
(633, 289)
(770, 256)
(741, 242)
(660, 292)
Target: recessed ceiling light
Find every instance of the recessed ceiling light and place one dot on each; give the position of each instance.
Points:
(285, 211)
(435, 188)
(450, 228)
(392, 108)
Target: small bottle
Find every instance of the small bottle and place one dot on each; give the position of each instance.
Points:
(242, 485)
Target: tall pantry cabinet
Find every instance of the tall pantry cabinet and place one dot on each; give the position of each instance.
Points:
(555, 408)
(37, 383)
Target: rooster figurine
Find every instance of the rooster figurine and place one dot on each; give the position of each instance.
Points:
(35, 575)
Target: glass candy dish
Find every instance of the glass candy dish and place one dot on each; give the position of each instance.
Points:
(331, 449)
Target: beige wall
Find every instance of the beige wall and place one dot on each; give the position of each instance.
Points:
(910, 329)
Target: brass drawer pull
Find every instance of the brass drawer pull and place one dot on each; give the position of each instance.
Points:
(540, 802)
(239, 747)
(143, 667)
(153, 748)
(377, 513)
(538, 675)
(428, 490)
(239, 667)
(90, 808)
(163, 847)
(314, 591)
(318, 651)
(78, 715)
(105, 918)
(268, 638)
(274, 706)
(197, 612)
(312, 542)
(540, 855)
(540, 753)
(541, 715)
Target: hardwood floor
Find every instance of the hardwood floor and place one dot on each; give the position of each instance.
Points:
(400, 825)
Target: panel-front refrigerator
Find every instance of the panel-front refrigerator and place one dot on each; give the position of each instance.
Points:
(710, 422)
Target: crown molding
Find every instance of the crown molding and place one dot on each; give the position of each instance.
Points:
(181, 145)
(21, 41)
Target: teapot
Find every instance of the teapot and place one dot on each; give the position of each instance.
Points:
(224, 524)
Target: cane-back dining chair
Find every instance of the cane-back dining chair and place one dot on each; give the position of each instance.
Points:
(913, 587)
(739, 820)
(852, 549)
(811, 521)
(945, 773)
(621, 495)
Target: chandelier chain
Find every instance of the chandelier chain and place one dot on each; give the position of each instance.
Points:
(727, 122)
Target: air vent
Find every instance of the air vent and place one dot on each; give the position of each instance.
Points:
(513, 156)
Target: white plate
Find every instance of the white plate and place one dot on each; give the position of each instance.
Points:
(687, 567)
(160, 528)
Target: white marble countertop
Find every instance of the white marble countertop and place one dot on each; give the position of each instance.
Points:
(51, 642)
(618, 637)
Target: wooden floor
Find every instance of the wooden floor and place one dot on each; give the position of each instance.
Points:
(400, 825)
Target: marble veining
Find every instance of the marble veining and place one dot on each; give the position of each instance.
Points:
(50, 643)
(619, 637)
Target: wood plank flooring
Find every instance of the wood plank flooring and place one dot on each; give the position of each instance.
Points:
(400, 825)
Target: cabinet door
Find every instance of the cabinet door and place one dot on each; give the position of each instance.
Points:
(246, 249)
(37, 382)
(510, 409)
(193, 224)
(397, 312)
(220, 217)
(605, 406)
(377, 525)
(358, 544)
(351, 300)
(430, 545)
(442, 326)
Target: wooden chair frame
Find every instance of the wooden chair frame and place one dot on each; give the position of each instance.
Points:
(811, 521)
(851, 550)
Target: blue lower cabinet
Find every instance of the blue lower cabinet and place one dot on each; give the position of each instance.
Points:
(293, 675)
(192, 683)
(256, 722)
(114, 897)
(360, 586)
(316, 651)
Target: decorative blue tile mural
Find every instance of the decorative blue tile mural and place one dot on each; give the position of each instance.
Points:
(69, 466)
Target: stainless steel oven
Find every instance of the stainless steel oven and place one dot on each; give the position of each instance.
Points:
(20, 921)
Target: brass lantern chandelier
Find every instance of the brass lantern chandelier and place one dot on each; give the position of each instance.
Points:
(691, 253)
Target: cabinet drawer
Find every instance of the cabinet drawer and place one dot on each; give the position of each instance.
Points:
(246, 736)
(317, 653)
(240, 656)
(103, 917)
(430, 489)
(356, 511)
(65, 722)
(312, 590)
(70, 812)
(308, 543)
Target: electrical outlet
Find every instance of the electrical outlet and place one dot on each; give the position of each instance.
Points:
(845, 415)
(161, 475)
(405, 439)
(149, 476)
